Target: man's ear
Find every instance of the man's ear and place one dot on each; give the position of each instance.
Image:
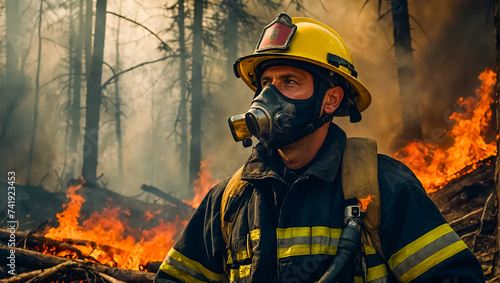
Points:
(331, 102)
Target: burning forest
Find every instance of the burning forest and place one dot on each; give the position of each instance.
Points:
(436, 166)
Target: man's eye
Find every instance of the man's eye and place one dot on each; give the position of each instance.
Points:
(289, 82)
(264, 83)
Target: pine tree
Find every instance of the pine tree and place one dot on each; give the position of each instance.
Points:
(93, 101)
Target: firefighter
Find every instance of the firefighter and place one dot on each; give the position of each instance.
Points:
(284, 216)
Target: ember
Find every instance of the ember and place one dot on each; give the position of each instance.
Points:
(435, 166)
(364, 202)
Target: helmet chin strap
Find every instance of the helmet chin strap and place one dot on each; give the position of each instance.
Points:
(318, 121)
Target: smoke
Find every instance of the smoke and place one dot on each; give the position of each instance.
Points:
(452, 59)
(453, 43)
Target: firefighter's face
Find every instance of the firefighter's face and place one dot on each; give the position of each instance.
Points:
(292, 82)
(298, 84)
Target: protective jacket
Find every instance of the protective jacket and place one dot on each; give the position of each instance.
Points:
(287, 229)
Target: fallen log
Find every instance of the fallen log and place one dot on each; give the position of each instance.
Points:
(38, 243)
(184, 210)
(161, 194)
(34, 260)
(34, 241)
(94, 245)
(153, 266)
(109, 278)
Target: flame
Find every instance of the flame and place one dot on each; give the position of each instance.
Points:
(109, 238)
(110, 231)
(364, 202)
(435, 166)
(203, 184)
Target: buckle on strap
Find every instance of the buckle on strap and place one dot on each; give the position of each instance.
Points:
(339, 61)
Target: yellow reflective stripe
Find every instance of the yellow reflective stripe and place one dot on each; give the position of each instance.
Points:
(419, 243)
(195, 266)
(245, 270)
(297, 235)
(286, 233)
(376, 272)
(229, 257)
(358, 279)
(255, 234)
(369, 250)
(242, 272)
(241, 255)
(433, 260)
(177, 273)
(299, 250)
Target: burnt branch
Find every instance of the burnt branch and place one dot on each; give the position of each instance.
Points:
(165, 45)
(420, 26)
(133, 68)
(466, 216)
(37, 275)
(481, 222)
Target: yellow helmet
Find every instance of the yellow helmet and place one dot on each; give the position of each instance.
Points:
(307, 40)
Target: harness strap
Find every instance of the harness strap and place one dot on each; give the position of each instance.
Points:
(360, 180)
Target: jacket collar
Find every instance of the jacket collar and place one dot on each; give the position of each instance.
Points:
(259, 165)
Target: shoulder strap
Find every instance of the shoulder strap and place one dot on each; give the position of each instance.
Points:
(360, 180)
(234, 187)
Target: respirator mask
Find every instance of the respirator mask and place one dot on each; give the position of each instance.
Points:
(276, 120)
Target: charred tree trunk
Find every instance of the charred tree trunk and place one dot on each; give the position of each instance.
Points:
(37, 94)
(90, 144)
(496, 262)
(76, 101)
(196, 92)
(153, 139)
(117, 98)
(183, 90)
(232, 23)
(71, 73)
(89, 4)
(11, 48)
(412, 128)
(12, 75)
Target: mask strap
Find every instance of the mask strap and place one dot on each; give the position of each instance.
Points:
(319, 98)
(320, 88)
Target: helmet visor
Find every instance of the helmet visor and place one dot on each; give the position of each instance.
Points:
(277, 35)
